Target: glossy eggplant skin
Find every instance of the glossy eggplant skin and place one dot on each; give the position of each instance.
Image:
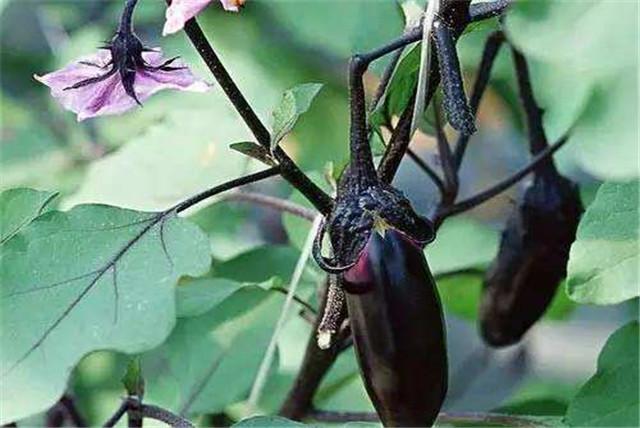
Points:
(398, 330)
(531, 261)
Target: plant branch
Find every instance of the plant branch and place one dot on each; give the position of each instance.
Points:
(500, 187)
(289, 170)
(126, 21)
(475, 418)
(163, 415)
(273, 202)
(490, 9)
(537, 137)
(232, 184)
(297, 299)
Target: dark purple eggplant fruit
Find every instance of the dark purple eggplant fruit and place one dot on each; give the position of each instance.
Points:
(392, 304)
(531, 260)
(398, 330)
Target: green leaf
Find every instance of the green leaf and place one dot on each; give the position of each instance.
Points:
(267, 422)
(255, 151)
(259, 264)
(401, 87)
(171, 160)
(96, 277)
(18, 208)
(567, 40)
(197, 296)
(603, 263)
(210, 360)
(610, 398)
(447, 255)
(132, 380)
(294, 103)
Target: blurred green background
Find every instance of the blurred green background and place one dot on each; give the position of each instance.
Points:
(177, 144)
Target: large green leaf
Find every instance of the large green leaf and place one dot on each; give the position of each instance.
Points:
(294, 103)
(610, 398)
(584, 56)
(96, 277)
(603, 263)
(211, 360)
(18, 208)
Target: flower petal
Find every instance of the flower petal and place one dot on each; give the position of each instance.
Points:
(108, 96)
(179, 12)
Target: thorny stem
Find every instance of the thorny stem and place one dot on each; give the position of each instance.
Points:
(361, 158)
(126, 22)
(479, 419)
(361, 161)
(289, 170)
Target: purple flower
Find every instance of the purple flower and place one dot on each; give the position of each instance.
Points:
(117, 78)
(180, 11)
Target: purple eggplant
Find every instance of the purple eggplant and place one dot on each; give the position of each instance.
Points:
(398, 330)
(531, 260)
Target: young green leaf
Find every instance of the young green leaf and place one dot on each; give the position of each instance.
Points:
(132, 380)
(96, 277)
(255, 151)
(603, 263)
(610, 398)
(400, 88)
(19, 207)
(293, 104)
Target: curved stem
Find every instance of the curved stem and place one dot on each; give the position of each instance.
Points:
(232, 184)
(163, 415)
(484, 10)
(484, 196)
(126, 21)
(537, 137)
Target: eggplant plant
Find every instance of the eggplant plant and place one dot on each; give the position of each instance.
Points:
(370, 244)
